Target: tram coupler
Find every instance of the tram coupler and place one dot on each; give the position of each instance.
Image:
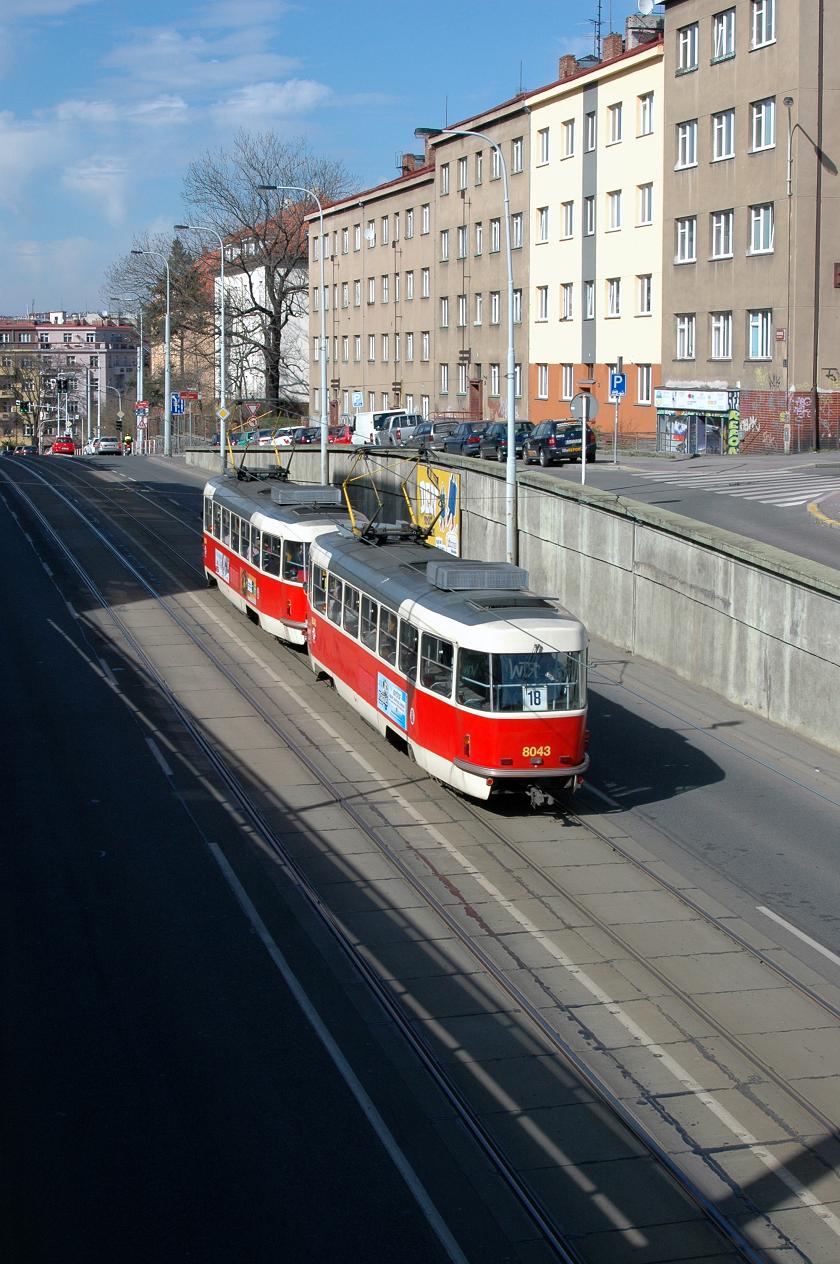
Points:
(539, 798)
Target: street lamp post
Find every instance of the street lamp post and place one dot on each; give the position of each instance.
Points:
(167, 357)
(325, 424)
(223, 412)
(511, 525)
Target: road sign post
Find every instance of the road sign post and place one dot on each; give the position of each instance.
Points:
(584, 408)
(618, 388)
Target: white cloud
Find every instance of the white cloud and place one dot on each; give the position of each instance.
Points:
(102, 180)
(270, 101)
(223, 14)
(12, 11)
(166, 58)
(49, 274)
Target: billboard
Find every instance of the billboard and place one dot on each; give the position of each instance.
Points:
(439, 502)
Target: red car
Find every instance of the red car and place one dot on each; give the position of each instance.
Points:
(63, 446)
(341, 434)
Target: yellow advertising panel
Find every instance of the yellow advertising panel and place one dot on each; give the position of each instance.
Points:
(439, 502)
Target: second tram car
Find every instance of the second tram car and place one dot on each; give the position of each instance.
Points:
(483, 681)
(256, 539)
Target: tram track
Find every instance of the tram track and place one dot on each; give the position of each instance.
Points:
(350, 805)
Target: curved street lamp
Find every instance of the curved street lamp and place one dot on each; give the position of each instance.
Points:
(223, 410)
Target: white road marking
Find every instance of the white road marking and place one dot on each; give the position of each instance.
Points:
(46, 567)
(800, 934)
(109, 675)
(158, 754)
(73, 612)
(600, 794)
(377, 1123)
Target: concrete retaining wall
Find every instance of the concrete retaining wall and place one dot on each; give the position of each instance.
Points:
(755, 624)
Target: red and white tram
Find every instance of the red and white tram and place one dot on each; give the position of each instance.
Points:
(256, 538)
(483, 681)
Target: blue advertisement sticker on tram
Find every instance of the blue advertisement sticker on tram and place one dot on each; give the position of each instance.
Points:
(223, 565)
(391, 700)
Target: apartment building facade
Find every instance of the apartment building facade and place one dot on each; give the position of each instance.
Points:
(752, 221)
(96, 361)
(19, 396)
(596, 145)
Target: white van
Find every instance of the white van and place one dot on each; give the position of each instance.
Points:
(387, 429)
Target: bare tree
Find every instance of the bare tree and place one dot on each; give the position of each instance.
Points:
(266, 255)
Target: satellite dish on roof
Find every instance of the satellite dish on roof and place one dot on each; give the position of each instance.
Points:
(645, 7)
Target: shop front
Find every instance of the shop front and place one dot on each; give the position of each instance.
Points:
(695, 422)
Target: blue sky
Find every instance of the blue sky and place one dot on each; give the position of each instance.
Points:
(104, 102)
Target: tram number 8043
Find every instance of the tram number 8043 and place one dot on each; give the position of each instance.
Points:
(529, 752)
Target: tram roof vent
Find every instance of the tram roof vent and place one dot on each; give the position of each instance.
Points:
(476, 576)
(302, 495)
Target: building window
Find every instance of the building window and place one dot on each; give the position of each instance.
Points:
(424, 346)
(614, 297)
(723, 135)
(614, 118)
(371, 347)
(543, 145)
(516, 231)
(425, 283)
(645, 203)
(385, 348)
(409, 286)
(396, 348)
(517, 307)
(345, 293)
(495, 165)
(357, 236)
(409, 222)
(567, 381)
(687, 48)
(385, 288)
(763, 15)
(357, 293)
(494, 379)
(761, 334)
(685, 336)
(542, 302)
(316, 305)
(479, 238)
(567, 296)
(645, 281)
(686, 239)
(462, 311)
(479, 166)
(569, 138)
(590, 131)
(721, 226)
(761, 229)
(644, 384)
(385, 230)
(444, 312)
(517, 381)
(686, 144)
(424, 405)
(444, 379)
(425, 218)
(409, 348)
(542, 381)
(495, 307)
(396, 287)
(723, 35)
(614, 210)
(542, 223)
(345, 348)
(568, 210)
(479, 307)
(646, 114)
(462, 241)
(589, 300)
(444, 245)
(444, 178)
(763, 124)
(516, 155)
(589, 215)
(371, 290)
(495, 235)
(370, 233)
(357, 348)
(721, 331)
(462, 379)
(462, 173)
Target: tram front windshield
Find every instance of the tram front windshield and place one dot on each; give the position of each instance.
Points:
(543, 680)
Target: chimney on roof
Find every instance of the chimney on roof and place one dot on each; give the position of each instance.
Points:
(568, 66)
(411, 162)
(612, 46)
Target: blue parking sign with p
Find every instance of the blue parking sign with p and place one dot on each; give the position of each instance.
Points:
(618, 384)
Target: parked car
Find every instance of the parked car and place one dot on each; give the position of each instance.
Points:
(494, 441)
(386, 429)
(63, 445)
(553, 442)
(107, 445)
(466, 438)
(431, 435)
(341, 434)
(26, 449)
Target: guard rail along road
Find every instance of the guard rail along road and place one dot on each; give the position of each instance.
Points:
(753, 623)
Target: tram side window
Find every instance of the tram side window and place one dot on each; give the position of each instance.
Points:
(208, 514)
(408, 649)
(436, 658)
(235, 527)
(368, 623)
(256, 538)
(388, 635)
(334, 599)
(351, 610)
(245, 539)
(226, 527)
(217, 520)
(294, 561)
(271, 554)
(318, 595)
(474, 679)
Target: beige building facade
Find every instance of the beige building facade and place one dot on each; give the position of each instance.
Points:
(751, 328)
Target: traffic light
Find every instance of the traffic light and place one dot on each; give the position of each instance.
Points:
(118, 425)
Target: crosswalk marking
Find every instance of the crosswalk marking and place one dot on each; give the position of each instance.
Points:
(784, 488)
